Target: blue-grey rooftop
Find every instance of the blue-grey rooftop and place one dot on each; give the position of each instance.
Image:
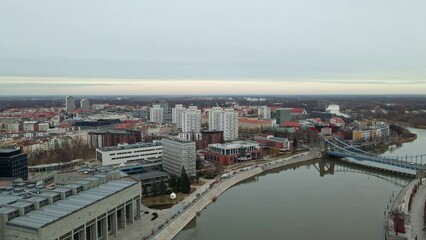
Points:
(48, 214)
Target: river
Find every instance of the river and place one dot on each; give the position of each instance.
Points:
(345, 202)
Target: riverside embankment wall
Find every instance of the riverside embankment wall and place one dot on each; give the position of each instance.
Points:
(171, 230)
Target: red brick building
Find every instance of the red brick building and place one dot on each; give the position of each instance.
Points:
(209, 137)
(233, 152)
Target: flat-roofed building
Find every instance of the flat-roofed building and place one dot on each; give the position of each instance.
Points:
(86, 209)
(85, 104)
(129, 153)
(233, 152)
(69, 103)
(13, 164)
(264, 112)
(156, 114)
(177, 154)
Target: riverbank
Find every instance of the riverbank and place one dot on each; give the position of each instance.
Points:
(196, 207)
(408, 206)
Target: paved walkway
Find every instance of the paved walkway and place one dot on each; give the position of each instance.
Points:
(417, 212)
(171, 221)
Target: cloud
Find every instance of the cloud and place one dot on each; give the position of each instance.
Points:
(82, 86)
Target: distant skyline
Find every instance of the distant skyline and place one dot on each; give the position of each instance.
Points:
(106, 47)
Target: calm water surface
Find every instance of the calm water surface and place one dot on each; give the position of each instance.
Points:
(347, 202)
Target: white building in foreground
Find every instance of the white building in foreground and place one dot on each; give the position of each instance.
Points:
(129, 153)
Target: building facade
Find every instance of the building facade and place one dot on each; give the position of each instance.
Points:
(101, 139)
(156, 114)
(129, 153)
(264, 112)
(191, 120)
(69, 103)
(178, 154)
(233, 152)
(94, 207)
(85, 104)
(13, 164)
(224, 120)
(283, 115)
(177, 115)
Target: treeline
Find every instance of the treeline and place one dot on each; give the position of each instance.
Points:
(75, 149)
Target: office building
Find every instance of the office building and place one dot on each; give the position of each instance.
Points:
(129, 153)
(156, 114)
(177, 154)
(264, 112)
(13, 164)
(85, 105)
(283, 115)
(191, 120)
(224, 120)
(69, 103)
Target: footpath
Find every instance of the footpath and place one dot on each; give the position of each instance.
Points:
(171, 221)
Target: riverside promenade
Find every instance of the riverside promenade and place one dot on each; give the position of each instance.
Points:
(170, 230)
(413, 218)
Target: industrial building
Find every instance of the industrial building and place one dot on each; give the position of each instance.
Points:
(94, 207)
(13, 164)
(129, 153)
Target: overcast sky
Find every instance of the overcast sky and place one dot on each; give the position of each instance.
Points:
(200, 46)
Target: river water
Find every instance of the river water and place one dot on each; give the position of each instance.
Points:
(323, 200)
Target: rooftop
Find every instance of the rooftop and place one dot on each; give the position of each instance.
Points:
(130, 146)
(149, 175)
(234, 144)
(48, 214)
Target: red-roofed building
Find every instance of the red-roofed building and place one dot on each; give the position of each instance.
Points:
(298, 114)
(298, 110)
(295, 125)
(254, 123)
(338, 122)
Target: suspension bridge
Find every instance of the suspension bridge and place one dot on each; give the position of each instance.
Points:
(410, 165)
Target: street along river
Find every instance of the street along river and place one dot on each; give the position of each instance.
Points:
(321, 200)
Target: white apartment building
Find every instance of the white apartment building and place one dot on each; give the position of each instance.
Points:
(191, 120)
(69, 103)
(177, 154)
(42, 127)
(156, 114)
(29, 126)
(264, 112)
(12, 127)
(224, 120)
(215, 118)
(85, 104)
(129, 153)
(177, 115)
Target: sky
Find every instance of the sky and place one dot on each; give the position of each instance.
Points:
(212, 47)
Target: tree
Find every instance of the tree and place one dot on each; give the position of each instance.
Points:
(162, 187)
(155, 189)
(185, 184)
(294, 145)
